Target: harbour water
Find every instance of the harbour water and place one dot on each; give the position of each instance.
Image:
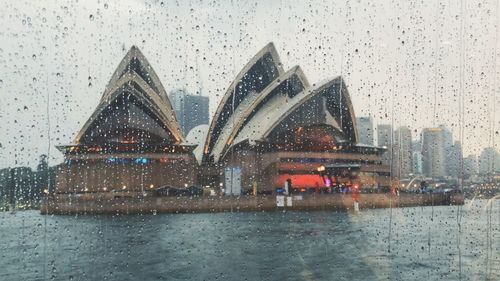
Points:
(431, 243)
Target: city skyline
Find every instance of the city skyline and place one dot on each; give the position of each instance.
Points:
(433, 141)
(417, 137)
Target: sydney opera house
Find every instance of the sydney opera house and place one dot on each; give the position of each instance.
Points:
(132, 141)
(272, 124)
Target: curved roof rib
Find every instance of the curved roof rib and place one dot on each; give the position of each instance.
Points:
(282, 88)
(135, 76)
(338, 103)
(268, 118)
(134, 62)
(257, 74)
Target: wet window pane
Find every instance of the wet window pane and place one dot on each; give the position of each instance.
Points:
(256, 140)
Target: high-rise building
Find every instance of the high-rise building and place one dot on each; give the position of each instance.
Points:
(489, 161)
(454, 160)
(416, 147)
(402, 153)
(190, 110)
(417, 162)
(450, 152)
(365, 130)
(447, 136)
(433, 152)
(384, 135)
(384, 139)
(470, 166)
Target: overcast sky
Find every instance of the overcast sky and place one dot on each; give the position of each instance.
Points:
(401, 59)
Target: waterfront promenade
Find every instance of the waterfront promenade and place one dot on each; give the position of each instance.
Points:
(103, 204)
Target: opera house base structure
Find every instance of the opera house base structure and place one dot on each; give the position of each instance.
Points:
(273, 137)
(139, 170)
(102, 204)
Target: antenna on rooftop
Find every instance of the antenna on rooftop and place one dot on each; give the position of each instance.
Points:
(200, 83)
(186, 69)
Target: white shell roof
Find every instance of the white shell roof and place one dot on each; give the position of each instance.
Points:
(261, 112)
(249, 105)
(151, 92)
(268, 49)
(197, 136)
(277, 109)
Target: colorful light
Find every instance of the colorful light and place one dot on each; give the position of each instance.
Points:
(141, 160)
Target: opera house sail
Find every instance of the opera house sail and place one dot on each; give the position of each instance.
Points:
(274, 126)
(132, 142)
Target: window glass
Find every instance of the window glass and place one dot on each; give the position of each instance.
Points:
(250, 140)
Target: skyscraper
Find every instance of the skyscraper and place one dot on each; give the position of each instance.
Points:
(451, 153)
(365, 130)
(454, 160)
(447, 136)
(417, 162)
(416, 147)
(433, 152)
(489, 161)
(402, 153)
(470, 166)
(384, 139)
(190, 110)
